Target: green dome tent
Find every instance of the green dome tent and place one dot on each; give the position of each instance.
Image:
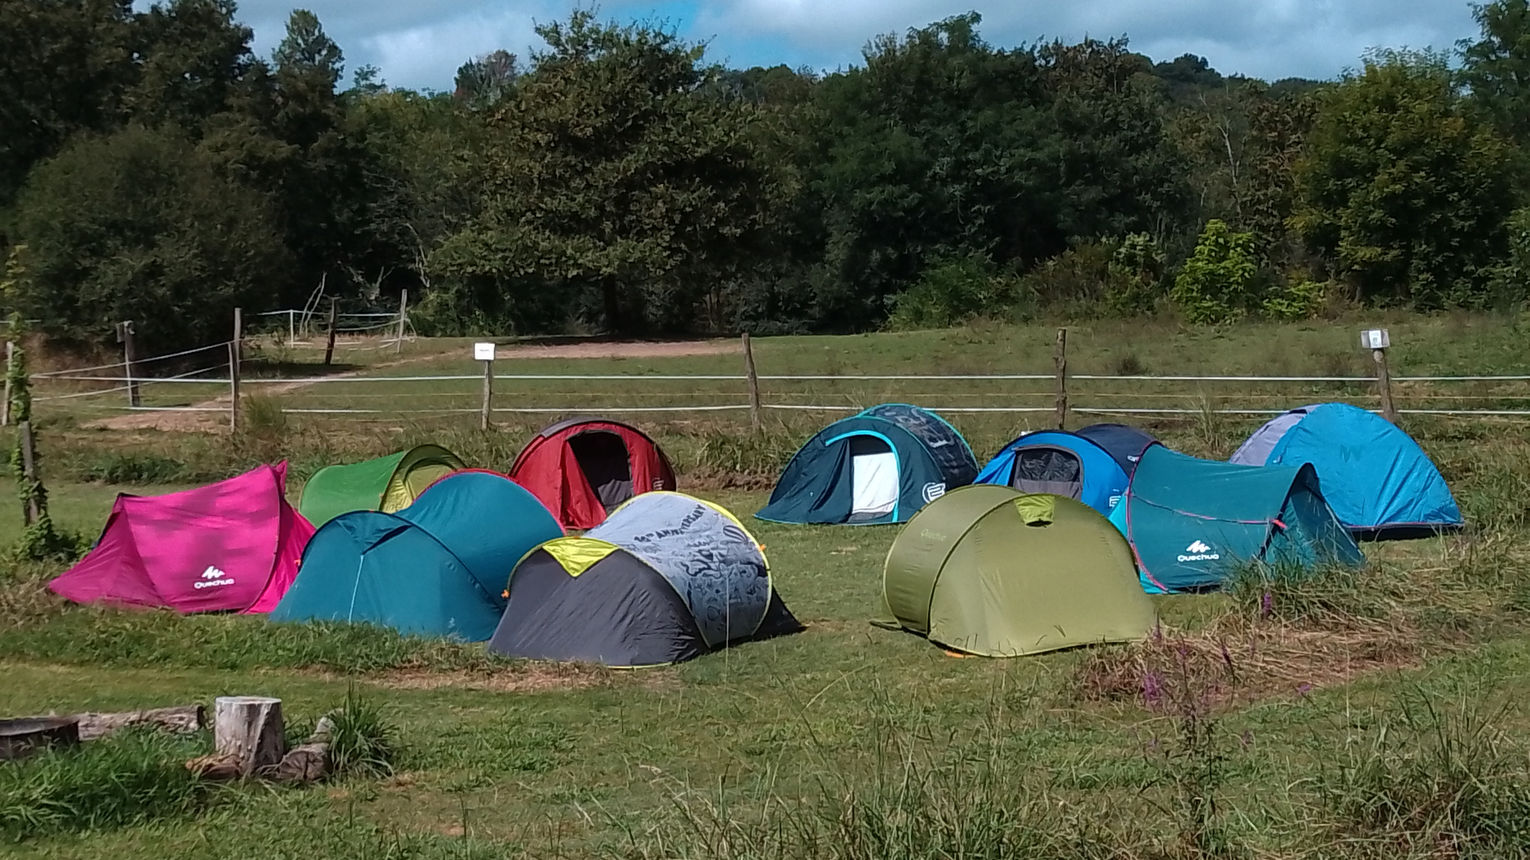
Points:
(387, 484)
(991, 571)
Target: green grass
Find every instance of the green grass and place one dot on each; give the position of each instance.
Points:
(846, 740)
(130, 778)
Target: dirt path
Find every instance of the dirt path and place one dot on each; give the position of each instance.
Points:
(210, 421)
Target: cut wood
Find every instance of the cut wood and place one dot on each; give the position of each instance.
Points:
(219, 768)
(181, 718)
(250, 729)
(306, 763)
(21, 738)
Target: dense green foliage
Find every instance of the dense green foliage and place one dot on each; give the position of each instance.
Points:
(619, 180)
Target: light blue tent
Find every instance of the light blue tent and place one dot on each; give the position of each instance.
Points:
(1060, 463)
(1376, 478)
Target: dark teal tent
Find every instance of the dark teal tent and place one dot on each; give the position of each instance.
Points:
(436, 568)
(1193, 522)
(880, 466)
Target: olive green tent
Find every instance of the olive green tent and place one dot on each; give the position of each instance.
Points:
(989, 570)
(386, 484)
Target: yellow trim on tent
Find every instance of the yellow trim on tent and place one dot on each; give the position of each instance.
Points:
(713, 505)
(578, 554)
(1037, 509)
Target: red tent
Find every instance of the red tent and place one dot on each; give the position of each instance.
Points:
(584, 467)
(229, 546)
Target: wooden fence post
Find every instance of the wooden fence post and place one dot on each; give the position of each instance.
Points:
(10, 362)
(488, 395)
(1384, 384)
(329, 350)
(125, 337)
(233, 369)
(754, 383)
(403, 316)
(33, 511)
(1060, 365)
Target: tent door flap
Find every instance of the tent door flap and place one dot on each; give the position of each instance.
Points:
(874, 476)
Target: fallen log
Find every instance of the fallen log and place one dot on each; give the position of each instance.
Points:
(180, 719)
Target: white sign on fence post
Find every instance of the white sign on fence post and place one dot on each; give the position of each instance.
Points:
(1378, 341)
(484, 352)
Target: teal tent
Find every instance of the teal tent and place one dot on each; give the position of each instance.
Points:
(439, 567)
(1192, 522)
(879, 466)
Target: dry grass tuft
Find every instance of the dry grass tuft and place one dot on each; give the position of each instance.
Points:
(1237, 661)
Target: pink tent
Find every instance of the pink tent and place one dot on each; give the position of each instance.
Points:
(229, 546)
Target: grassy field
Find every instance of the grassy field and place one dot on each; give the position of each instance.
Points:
(1370, 716)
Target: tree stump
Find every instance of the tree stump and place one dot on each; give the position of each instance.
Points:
(249, 730)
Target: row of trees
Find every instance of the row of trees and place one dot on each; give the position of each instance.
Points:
(154, 168)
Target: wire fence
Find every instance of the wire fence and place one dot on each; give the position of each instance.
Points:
(202, 380)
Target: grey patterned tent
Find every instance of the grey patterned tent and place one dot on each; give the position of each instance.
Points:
(665, 578)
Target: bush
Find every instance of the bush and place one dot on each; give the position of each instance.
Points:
(1074, 281)
(1135, 277)
(952, 290)
(361, 741)
(123, 467)
(1219, 282)
(1301, 300)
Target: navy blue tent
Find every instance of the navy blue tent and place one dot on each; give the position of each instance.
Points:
(1123, 442)
(880, 466)
(1378, 480)
(1060, 463)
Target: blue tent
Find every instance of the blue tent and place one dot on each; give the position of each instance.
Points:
(1192, 522)
(880, 466)
(1124, 442)
(1375, 476)
(439, 567)
(1060, 463)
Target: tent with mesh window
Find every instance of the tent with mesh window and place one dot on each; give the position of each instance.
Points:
(1064, 464)
(385, 484)
(583, 468)
(880, 466)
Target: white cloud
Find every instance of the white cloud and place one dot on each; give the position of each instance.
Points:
(1268, 38)
(420, 43)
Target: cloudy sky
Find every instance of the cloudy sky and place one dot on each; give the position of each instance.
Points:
(420, 43)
